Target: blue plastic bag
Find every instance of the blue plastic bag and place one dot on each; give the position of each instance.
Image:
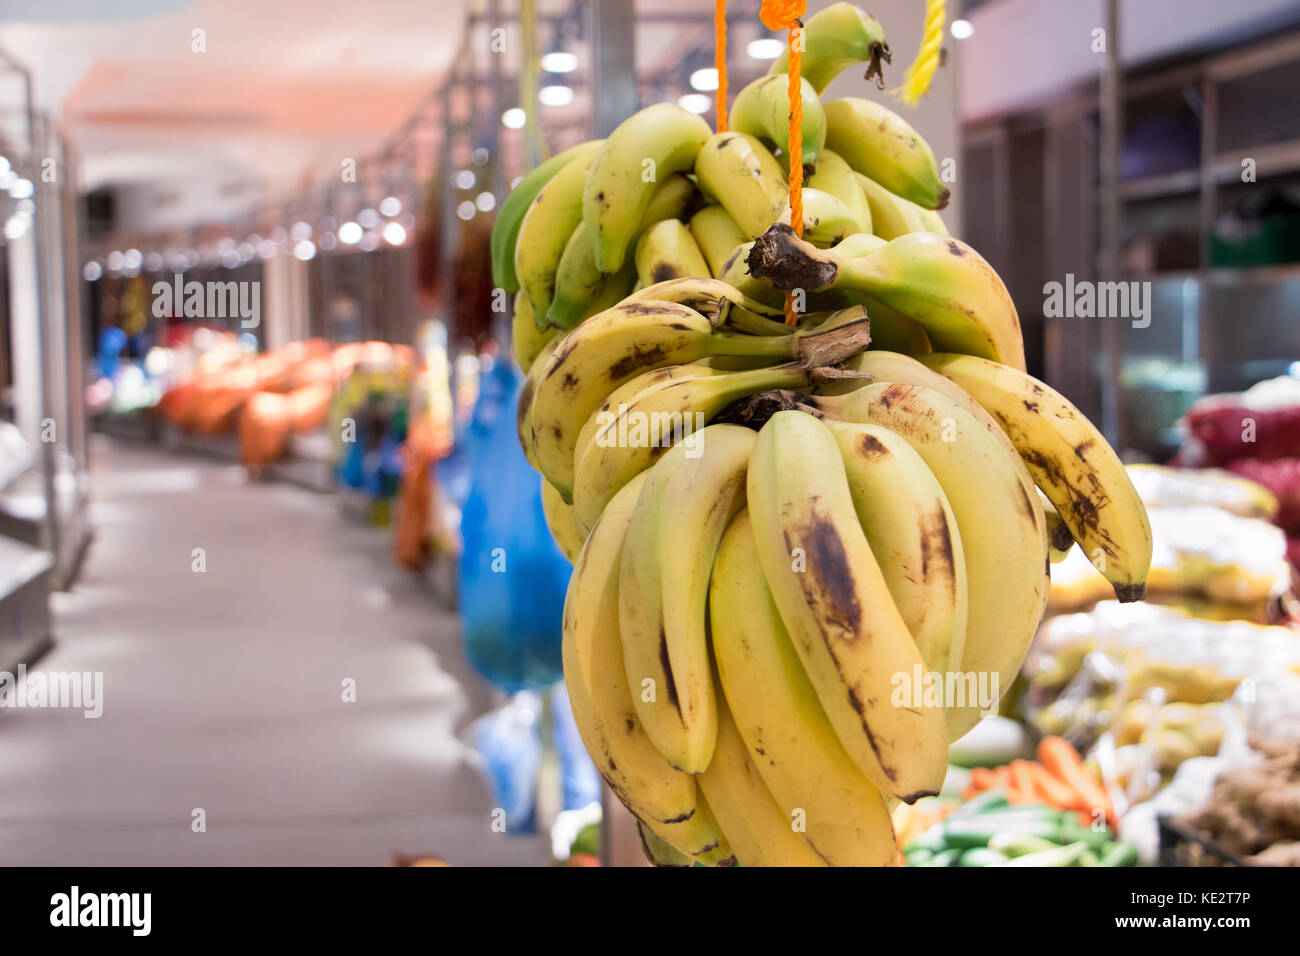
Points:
(513, 576)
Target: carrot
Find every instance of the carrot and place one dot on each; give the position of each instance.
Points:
(1021, 778)
(1052, 790)
(982, 778)
(1064, 762)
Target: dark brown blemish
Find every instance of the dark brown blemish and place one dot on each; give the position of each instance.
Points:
(663, 272)
(936, 543)
(871, 448)
(640, 357)
(671, 689)
(956, 250)
(683, 818)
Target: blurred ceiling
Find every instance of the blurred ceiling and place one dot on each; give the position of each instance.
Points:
(280, 91)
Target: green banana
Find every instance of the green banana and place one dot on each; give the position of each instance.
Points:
(545, 231)
(762, 109)
(834, 38)
(505, 231)
(644, 150)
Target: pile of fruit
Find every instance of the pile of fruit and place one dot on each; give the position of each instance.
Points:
(808, 555)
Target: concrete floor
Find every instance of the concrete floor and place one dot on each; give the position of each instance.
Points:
(223, 690)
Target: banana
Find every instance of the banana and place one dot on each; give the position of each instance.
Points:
(685, 504)
(505, 231)
(759, 833)
(717, 235)
(718, 302)
(738, 172)
(826, 220)
(527, 338)
(939, 282)
(524, 408)
(841, 816)
(835, 176)
(762, 109)
(934, 222)
(833, 598)
(644, 150)
(1071, 461)
(582, 290)
(666, 800)
(892, 216)
(561, 522)
(1059, 538)
(913, 534)
(545, 231)
(735, 272)
(658, 850)
(834, 39)
(1000, 522)
(879, 143)
(635, 336)
(858, 244)
(668, 251)
(633, 428)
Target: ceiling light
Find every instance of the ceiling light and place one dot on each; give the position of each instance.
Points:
(705, 80)
(480, 156)
(485, 201)
(304, 249)
(298, 232)
(514, 118)
(555, 95)
(114, 260)
(328, 241)
(369, 242)
(394, 234)
(466, 210)
(559, 62)
(962, 29)
(765, 48)
(21, 189)
(464, 179)
(350, 233)
(391, 206)
(695, 102)
(92, 271)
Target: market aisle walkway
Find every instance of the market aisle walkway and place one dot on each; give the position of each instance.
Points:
(223, 690)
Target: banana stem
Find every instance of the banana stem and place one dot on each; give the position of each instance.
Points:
(783, 347)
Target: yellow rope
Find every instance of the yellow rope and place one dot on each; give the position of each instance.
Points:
(529, 76)
(916, 81)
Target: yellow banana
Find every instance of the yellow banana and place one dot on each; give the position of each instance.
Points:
(1059, 538)
(527, 338)
(835, 176)
(561, 522)
(627, 434)
(736, 170)
(913, 534)
(879, 143)
(684, 506)
(1071, 461)
(835, 603)
(1000, 521)
(545, 231)
(643, 151)
(759, 833)
(826, 220)
(836, 810)
(668, 251)
(524, 408)
(892, 216)
(718, 302)
(937, 281)
(717, 235)
(666, 800)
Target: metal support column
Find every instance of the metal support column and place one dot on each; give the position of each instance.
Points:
(1111, 214)
(613, 63)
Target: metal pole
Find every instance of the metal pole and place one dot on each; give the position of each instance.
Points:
(1111, 214)
(613, 63)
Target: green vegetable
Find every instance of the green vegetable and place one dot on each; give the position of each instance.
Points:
(932, 840)
(988, 800)
(946, 858)
(1073, 831)
(1089, 859)
(1057, 856)
(979, 856)
(918, 857)
(966, 832)
(1122, 853)
(1019, 844)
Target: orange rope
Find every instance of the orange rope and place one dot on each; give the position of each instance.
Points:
(720, 59)
(785, 15)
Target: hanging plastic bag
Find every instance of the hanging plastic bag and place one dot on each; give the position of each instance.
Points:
(509, 742)
(513, 577)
